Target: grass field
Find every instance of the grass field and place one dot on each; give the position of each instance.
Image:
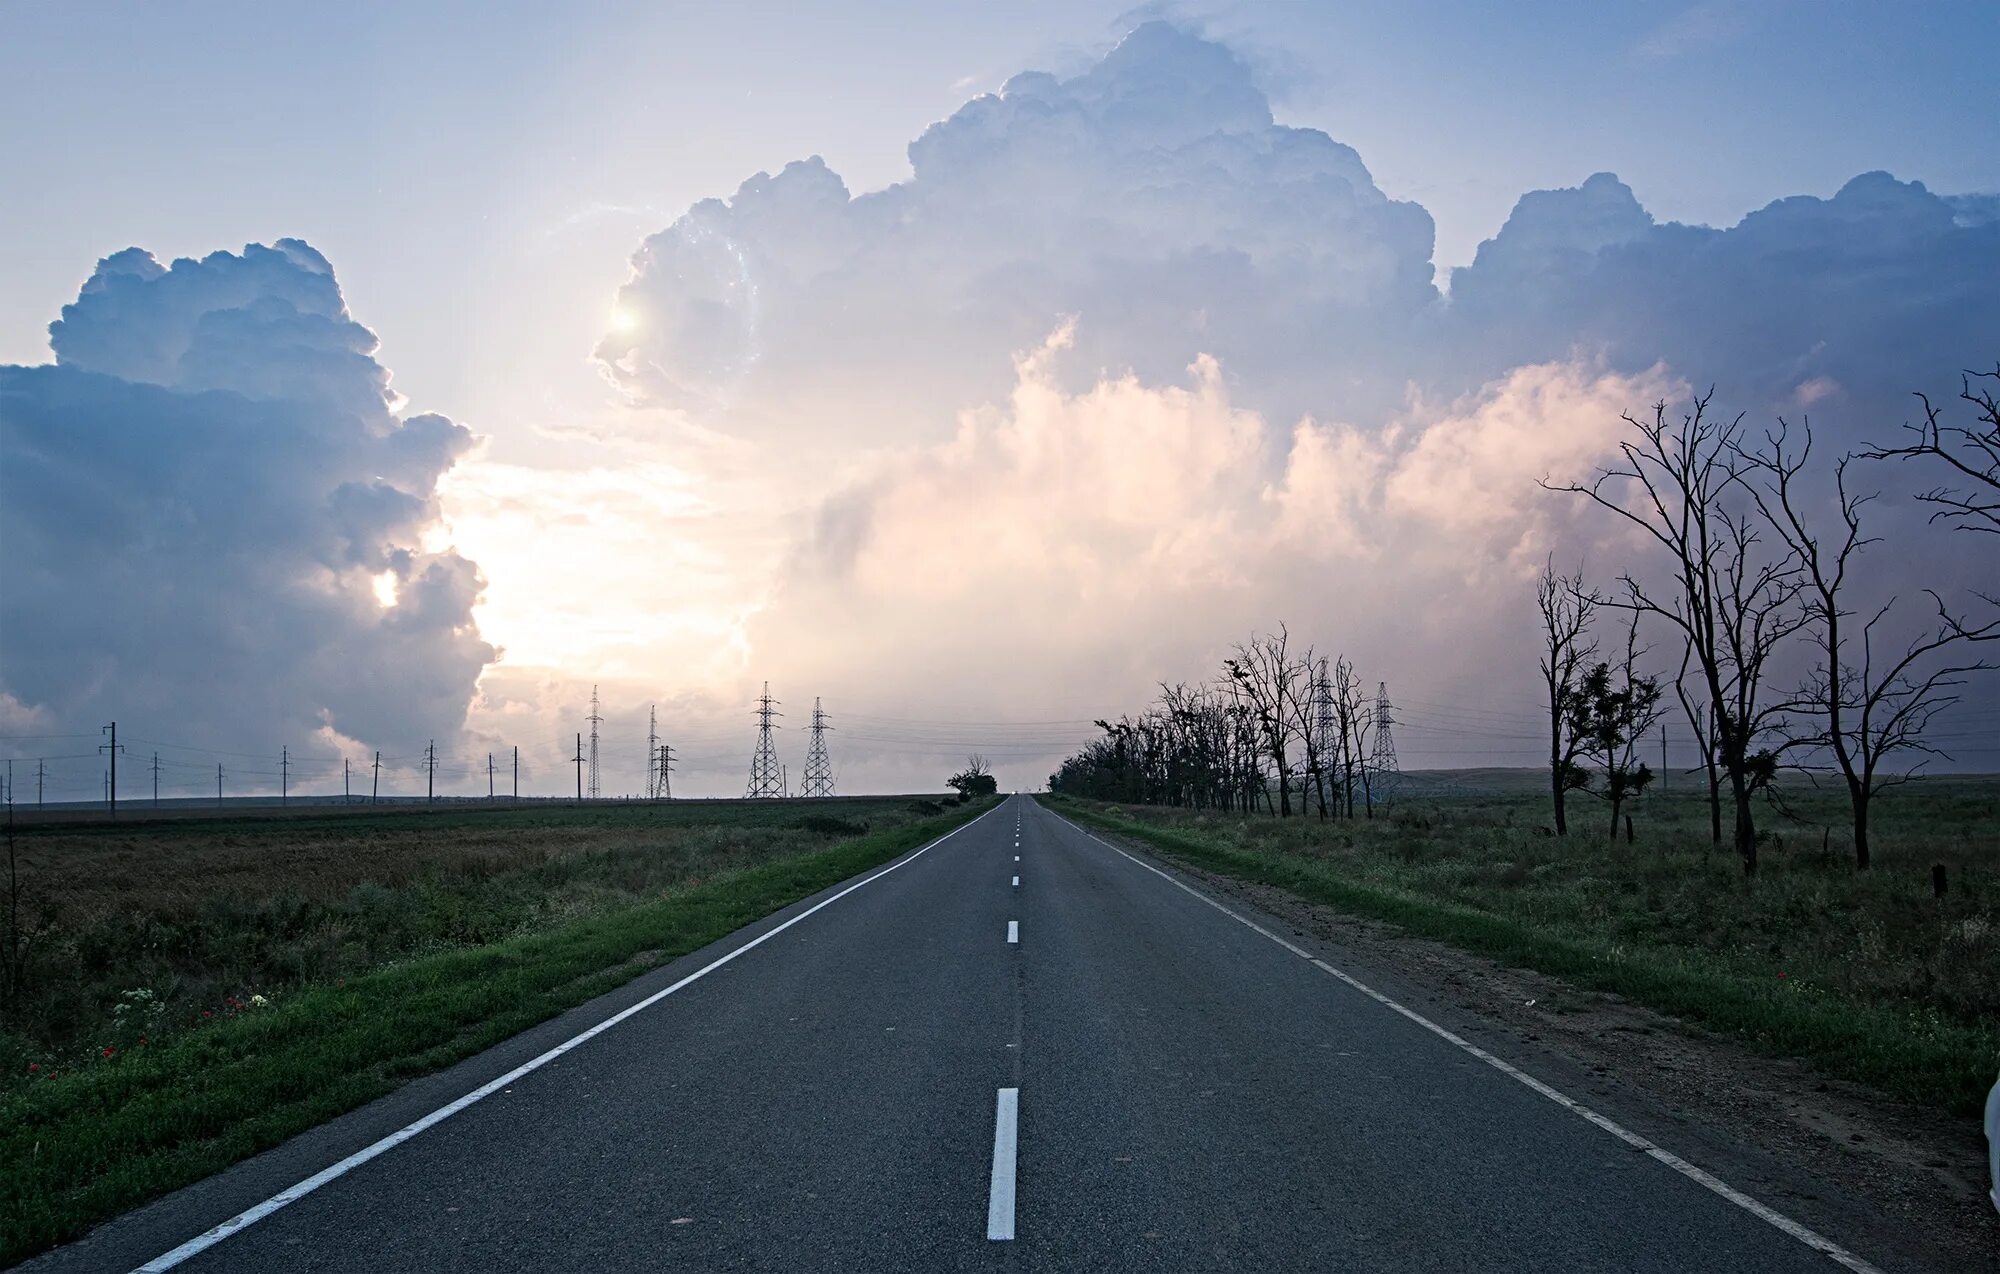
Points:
(199, 990)
(1868, 976)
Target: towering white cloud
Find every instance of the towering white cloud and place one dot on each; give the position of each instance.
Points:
(216, 519)
(1152, 194)
(1168, 472)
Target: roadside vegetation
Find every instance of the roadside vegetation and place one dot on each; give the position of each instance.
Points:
(1870, 976)
(187, 993)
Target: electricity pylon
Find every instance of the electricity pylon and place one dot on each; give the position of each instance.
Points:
(666, 772)
(819, 767)
(767, 778)
(595, 720)
(652, 751)
(1327, 739)
(1384, 763)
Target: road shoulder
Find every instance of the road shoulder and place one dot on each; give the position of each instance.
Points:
(1891, 1180)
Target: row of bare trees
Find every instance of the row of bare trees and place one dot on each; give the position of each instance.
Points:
(1786, 657)
(1279, 722)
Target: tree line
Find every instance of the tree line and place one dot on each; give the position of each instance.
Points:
(1277, 722)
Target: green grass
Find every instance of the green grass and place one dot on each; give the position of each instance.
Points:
(1865, 977)
(98, 1139)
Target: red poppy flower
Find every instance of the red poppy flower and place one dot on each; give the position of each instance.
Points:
(33, 1067)
(108, 1051)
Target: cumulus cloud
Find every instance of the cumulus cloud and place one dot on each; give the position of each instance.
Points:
(1258, 403)
(219, 521)
(1075, 545)
(1153, 194)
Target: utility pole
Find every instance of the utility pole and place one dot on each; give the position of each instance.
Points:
(819, 767)
(346, 784)
(1663, 756)
(156, 779)
(285, 775)
(41, 772)
(666, 790)
(375, 788)
(218, 785)
(517, 771)
(579, 769)
(489, 776)
(430, 772)
(111, 778)
(767, 778)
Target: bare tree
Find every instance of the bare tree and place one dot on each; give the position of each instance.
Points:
(1306, 708)
(1353, 718)
(1567, 608)
(1863, 711)
(1696, 708)
(1272, 682)
(1972, 451)
(1731, 599)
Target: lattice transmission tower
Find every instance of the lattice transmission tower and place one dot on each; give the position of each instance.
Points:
(1383, 761)
(595, 719)
(767, 777)
(819, 767)
(1327, 741)
(652, 751)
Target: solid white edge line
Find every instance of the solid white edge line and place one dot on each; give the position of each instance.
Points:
(1812, 1239)
(1013, 931)
(1000, 1191)
(1017, 882)
(250, 1216)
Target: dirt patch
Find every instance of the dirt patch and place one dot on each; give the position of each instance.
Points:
(1922, 1172)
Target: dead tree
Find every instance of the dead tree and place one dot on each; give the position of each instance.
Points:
(1567, 608)
(1306, 709)
(1730, 598)
(1862, 711)
(1700, 721)
(1971, 451)
(1271, 680)
(1353, 721)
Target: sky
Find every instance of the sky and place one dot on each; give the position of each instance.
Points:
(977, 414)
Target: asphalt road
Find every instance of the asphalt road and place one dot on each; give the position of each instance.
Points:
(1192, 1094)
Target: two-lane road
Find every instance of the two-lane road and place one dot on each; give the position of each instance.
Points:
(1018, 1048)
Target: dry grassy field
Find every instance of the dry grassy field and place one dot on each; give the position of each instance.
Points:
(138, 928)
